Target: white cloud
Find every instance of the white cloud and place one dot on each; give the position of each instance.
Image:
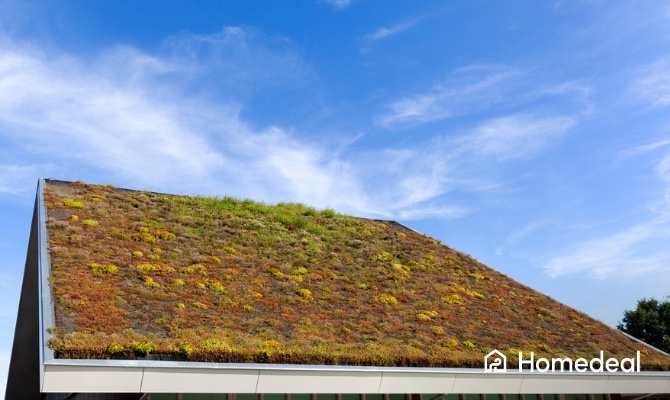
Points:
(403, 183)
(481, 89)
(409, 181)
(434, 211)
(514, 136)
(579, 92)
(519, 234)
(82, 119)
(337, 3)
(657, 152)
(646, 148)
(280, 164)
(467, 90)
(21, 179)
(632, 251)
(622, 255)
(653, 83)
(81, 116)
(412, 180)
(384, 32)
(237, 59)
(86, 116)
(663, 170)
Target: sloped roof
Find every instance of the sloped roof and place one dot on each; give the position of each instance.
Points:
(143, 275)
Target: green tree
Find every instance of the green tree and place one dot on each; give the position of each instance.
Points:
(649, 322)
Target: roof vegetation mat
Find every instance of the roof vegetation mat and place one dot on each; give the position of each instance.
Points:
(141, 275)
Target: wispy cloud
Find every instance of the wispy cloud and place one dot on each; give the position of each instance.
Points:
(384, 32)
(406, 183)
(236, 62)
(337, 3)
(657, 153)
(663, 169)
(517, 235)
(86, 117)
(15, 179)
(653, 83)
(157, 126)
(633, 250)
(467, 90)
(482, 90)
(415, 178)
(96, 120)
(514, 136)
(433, 211)
(623, 254)
(579, 91)
(81, 119)
(645, 148)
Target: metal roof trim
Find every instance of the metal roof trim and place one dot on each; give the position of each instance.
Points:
(180, 377)
(325, 368)
(47, 319)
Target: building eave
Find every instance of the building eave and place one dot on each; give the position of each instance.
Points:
(146, 376)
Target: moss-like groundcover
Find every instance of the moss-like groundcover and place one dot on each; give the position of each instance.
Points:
(144, 275)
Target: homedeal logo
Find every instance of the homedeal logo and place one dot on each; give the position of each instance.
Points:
(496, 361)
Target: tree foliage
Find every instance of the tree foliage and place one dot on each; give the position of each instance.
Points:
(649, 322)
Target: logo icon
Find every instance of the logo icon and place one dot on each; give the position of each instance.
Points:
(495, 361)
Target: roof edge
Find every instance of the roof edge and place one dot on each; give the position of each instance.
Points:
(322, 368)
(177, 377)
(47, 317)
(644, 343)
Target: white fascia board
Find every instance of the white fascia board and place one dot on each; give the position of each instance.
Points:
(194, 380)
(488, 383)
(186, 377)
(318, 381)
(633, 384)
(81, 379)
(565, 383)
(412, 382)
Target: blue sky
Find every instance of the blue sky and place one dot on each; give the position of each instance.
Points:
(534, 136)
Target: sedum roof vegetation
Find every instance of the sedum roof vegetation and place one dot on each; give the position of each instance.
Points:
(141, 275)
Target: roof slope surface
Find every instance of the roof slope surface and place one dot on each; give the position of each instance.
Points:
(144, 275)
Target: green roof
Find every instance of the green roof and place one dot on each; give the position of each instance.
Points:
(136, 274)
